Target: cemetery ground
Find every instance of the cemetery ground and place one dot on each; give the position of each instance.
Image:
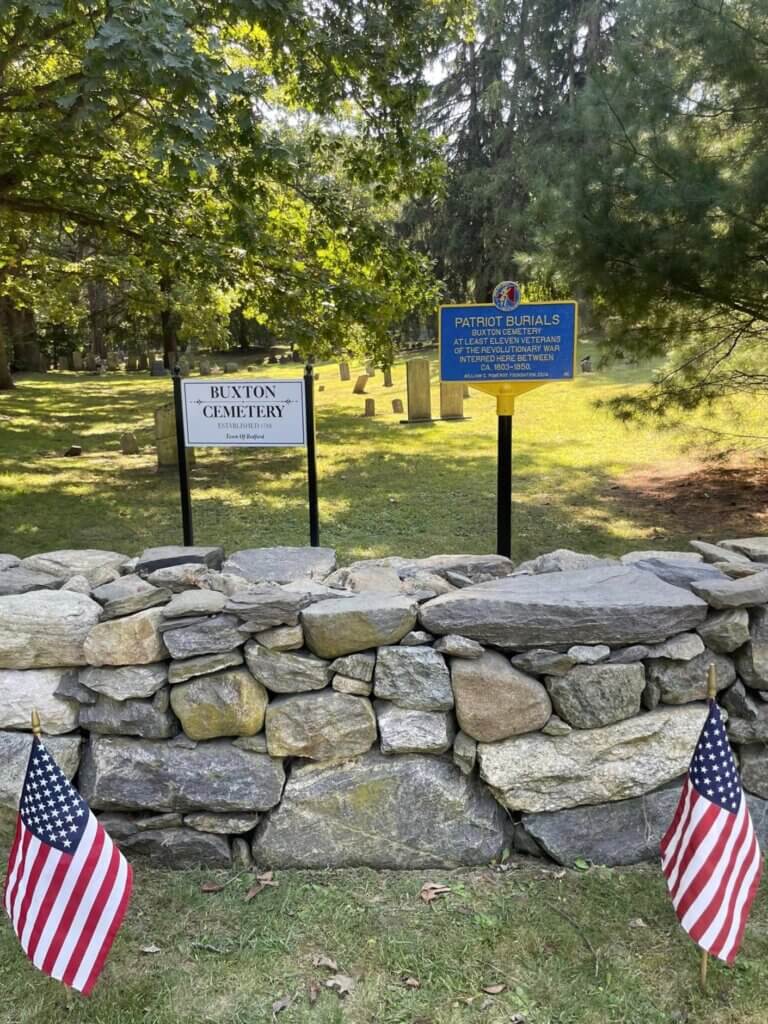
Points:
(581, 479)
(531, 945)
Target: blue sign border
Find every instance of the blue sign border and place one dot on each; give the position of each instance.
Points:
(562, 367)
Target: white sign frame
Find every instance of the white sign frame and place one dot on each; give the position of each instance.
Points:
(206, 420)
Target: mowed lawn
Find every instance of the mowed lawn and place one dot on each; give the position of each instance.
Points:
(534, 945)
(385, 488)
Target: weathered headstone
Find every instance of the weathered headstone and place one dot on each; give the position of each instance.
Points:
(128, 443)
(397, 405)
(205, 367)
(370, 407)
(451, 401)
(359, 388)
(77, 361)
(131, 364)
(388, 377)
(63, 362)
(419, 397)
(343, 371)
(165, 437)
(157, 369)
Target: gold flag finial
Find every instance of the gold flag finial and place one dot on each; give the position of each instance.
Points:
(711, 682)
(36, 729)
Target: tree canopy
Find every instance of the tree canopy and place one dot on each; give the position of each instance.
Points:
(242, 153)
(661, 218)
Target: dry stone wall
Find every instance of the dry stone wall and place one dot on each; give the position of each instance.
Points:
(397, 712)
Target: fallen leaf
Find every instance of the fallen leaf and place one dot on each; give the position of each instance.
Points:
(281, 1004)
(411, 982)
(151, 949)
(341, 983)
(581, 864)
(211, 887)
(432, 891)
(494, 990)
(323, 961)
(262, 881)
(313, 991)
(637, 922)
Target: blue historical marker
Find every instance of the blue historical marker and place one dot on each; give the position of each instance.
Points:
(485, 343)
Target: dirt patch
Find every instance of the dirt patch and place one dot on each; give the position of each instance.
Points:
(697, 499)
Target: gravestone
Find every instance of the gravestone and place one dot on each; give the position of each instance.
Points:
(157, 369)
(388, 377)
(77, 361)
(165, 438)
(231, 367)
(205, 367)
(451, 401)
(143, 361)
(128, 443)
(343, 371)
(419, 397)
(131, 364)
(63, 363)
(359, 388)
(397, 405)
(90, 362)
(370, 407)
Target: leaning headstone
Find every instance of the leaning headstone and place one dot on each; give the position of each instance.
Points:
(128, 443)
(397, 405)
(451, 401)
(370, 407)
(359, 388)
(388, 377)
(343, 371)
(419, 397)
(165, 437)
(77, 361)
(157, 369)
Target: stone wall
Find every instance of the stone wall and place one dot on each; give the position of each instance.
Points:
(394, 713)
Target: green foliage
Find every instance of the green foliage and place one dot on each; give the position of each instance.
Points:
(661, 218)
(240, 152)
(505, 82)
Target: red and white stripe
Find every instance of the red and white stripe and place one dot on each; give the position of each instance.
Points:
(712, 862)
(66, 908)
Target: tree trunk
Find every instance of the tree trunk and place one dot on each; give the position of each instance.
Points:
(21, 335)
(6, 380)
(168, 322)
(97, 307)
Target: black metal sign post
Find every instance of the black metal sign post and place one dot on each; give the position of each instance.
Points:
(309, 408)
(181, 450)
(504, 488)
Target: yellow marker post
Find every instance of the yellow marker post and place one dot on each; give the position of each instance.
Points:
(507, 348)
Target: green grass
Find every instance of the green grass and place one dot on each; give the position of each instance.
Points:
(566, 946)
(385, 488)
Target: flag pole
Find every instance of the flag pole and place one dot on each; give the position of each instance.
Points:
(37, 731)
(711, 695)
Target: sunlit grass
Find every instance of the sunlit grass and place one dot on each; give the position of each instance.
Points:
(384, 488)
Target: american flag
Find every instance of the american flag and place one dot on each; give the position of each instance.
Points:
(67, 886)
(710, 855)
